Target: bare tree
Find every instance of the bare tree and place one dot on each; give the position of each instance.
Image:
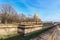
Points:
(22, 17)
(8, 13)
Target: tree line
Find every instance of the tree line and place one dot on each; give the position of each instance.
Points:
(9, 15)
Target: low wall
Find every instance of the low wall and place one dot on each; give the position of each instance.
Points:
(6, 29)
(29, 28)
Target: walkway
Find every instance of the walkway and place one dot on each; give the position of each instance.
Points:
(44, 36)
(58, 35)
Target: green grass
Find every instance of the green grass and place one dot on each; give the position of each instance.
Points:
(7, 36)
(34, 34)
(26, 37)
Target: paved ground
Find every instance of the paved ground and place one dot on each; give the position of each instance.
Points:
(58, 35)
(43, 36)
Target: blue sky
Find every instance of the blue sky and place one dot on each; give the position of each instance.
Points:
(48, 10)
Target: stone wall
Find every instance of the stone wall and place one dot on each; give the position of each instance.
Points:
(29, 28)
(6, 29)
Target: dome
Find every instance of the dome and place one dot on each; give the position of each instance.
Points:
(36, 16)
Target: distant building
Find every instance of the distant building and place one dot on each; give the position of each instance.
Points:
(35, 25)
(36, 17)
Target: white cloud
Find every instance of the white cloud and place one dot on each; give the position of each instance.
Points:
(52, 7)
(53, 17)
